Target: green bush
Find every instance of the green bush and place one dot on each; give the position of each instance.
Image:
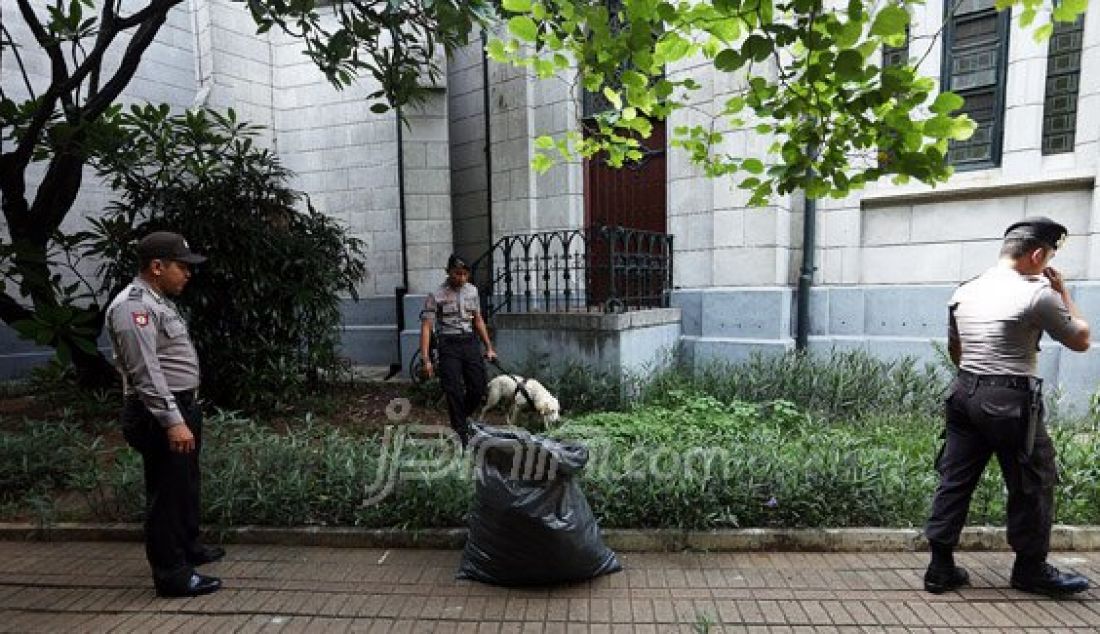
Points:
(771, 465)
(838, 385)
(39, 457)
(264, 310)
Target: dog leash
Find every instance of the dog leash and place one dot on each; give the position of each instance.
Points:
(520, 389)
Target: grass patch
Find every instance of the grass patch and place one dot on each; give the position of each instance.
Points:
(841, 385)
(696, 464)
(792, 441)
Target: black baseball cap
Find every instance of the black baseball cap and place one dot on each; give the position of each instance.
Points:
(1038, 228)
(165, 245)
(456, 261)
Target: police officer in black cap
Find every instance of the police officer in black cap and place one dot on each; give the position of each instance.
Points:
(995, 406)
(455, 312)
(161, 416)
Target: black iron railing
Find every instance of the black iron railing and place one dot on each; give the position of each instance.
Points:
(598, 269)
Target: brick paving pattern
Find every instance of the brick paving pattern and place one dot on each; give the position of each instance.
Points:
(104, 587)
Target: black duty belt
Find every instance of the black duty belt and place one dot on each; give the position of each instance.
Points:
(970, 380)
(466, 336)
(183, 397)
(186, 396)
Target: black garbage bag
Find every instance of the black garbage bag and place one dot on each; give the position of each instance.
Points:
(530, 524)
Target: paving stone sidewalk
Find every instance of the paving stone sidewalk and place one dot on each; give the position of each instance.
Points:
(104, 587)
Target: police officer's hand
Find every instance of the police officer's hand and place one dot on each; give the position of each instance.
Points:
(1057, 284)
(491, 354)
(427, 370)
(180, 438)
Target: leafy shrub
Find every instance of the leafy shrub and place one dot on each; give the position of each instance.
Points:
(40, 456)
(838, 385)
(264, 310)
(694, 463)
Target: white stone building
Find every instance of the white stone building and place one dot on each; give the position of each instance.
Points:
(886, 259)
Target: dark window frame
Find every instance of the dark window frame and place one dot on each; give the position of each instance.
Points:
(1073, 93)
(1001, 50)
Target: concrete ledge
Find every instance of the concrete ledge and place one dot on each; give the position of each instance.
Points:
(587, 321)
(977, 189)
(978, 538)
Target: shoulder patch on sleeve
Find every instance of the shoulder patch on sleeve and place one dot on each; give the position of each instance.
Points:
(140, 319)
(135, 293)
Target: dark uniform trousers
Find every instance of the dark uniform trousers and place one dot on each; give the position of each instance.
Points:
(172, 486)
(462, 373)
(989, 416)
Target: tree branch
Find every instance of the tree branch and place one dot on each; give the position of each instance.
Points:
(18, 61)
(156, 6)
(21, 156)
(106, 22)
(140, 42)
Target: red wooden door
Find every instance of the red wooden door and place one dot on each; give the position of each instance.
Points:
(631, 197)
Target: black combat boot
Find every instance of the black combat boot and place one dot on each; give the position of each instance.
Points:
(1043, 578)
(942, 574)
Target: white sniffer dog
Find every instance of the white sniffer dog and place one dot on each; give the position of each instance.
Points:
(502, 389)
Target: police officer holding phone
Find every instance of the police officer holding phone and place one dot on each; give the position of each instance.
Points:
(454, 311)
(161, 416)
(995, 406)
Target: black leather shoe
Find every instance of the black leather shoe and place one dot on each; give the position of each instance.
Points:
(196, 585)
(206, 555)
(1046, 579)
(940, 580)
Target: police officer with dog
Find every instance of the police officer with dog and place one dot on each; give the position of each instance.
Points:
(161, 417)
(455, 312)
(995, 407)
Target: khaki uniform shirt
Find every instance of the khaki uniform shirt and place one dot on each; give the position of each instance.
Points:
(152, 349)
(999, 318)
(453, 310)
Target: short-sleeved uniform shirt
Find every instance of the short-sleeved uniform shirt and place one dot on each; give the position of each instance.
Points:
(1000, 317)
(453, 310)
(152, 349)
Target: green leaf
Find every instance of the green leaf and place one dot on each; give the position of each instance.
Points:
(541, 163)
(496, 52)
(758, 47)
(753, 166)
(892, 20)
(849, 65)
(523, 28)
(671, 48)
(517, 6)
(849, 34)
(728, 61)
(962, 128)
(946, 102)
(939, 126)
(544, 143)
(613, 97)
(633, 79)
(1043, 33)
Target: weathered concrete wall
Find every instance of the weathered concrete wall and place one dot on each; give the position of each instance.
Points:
(624, 344)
